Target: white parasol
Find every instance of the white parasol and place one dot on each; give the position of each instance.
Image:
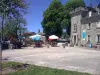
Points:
(53, 37)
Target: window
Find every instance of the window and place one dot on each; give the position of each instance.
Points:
(75, 27)
(90, 13)
(89, 25)
(88, 38)
(98, 38)
(98, 11)
(98, 24)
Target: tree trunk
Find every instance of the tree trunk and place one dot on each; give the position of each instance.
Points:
(1, 42)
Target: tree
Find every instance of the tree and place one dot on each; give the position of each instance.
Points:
(11, 27)
(10, 9)
(65, 36)
(69, 6)
(51, 22)
(72, 4)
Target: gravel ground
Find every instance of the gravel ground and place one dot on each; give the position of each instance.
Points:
(69, 58)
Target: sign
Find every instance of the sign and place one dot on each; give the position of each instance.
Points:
(84, 35)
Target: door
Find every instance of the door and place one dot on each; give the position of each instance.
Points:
(74, 39)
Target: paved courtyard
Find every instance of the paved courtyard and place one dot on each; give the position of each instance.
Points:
(70, 58)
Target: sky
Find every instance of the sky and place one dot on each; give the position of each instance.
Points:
(35, 12)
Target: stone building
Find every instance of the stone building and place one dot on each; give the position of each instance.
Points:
(85, 26)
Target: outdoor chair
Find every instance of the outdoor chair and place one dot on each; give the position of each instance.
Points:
(66, 43)
(63, 45)
(47, 45)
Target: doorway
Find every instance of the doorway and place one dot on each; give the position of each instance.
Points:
(74, 39)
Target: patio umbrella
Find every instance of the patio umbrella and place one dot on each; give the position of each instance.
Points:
(53, 37)
(21, 37)
(35, 37)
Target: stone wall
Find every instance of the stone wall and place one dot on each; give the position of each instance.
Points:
(93, 31)
(80, 18)
(76, 20)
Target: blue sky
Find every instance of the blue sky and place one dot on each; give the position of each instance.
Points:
(35, 12)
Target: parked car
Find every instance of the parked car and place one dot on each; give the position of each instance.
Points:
(61, 42)
(5, 45)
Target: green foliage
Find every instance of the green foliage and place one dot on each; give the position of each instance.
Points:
(11, 27)
(13, 11)
(10, 64)
(69, 6)
(52, 19)
(64, 23)
(65, 35)
(39, 70)
(11, 8)
(57, 17)
(72, 4)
